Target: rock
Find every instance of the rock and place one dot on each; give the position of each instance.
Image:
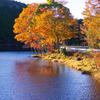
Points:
(79, 59)
(79, 69)
(55, 60)
(36, 56)
(86, 72)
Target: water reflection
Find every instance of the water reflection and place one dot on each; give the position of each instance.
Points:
(41, 67)
(65, 84)
(25, 78)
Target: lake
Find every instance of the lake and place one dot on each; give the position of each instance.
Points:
(25, 78)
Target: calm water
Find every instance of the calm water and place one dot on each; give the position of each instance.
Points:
(25, 78)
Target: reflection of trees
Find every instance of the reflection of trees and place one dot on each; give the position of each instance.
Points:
(40, 67)
(52, 68)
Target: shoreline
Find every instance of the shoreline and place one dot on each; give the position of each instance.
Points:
(79, 62)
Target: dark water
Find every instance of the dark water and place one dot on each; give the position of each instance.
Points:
(25, 78)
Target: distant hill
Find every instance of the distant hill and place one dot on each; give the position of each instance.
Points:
(9, 10)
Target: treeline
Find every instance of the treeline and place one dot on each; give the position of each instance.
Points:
(47, 26)
(9, 11)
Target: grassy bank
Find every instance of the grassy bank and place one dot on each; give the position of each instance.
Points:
(81, 62)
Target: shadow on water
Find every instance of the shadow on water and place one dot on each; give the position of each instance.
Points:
(26, 78)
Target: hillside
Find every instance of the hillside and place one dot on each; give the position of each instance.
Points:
(9, 10)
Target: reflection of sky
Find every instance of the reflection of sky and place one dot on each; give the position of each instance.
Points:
(76, 6)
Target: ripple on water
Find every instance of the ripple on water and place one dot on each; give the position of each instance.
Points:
(25, 78)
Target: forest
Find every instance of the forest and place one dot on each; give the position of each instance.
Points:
(9, 11)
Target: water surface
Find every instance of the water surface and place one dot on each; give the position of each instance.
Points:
(25, 78)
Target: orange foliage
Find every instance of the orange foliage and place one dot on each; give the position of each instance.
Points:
(23, 23)
(92, 24)
(40, 30)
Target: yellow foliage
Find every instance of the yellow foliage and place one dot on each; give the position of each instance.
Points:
(44, 28)
(92, 24)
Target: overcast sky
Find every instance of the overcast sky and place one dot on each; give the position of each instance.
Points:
(76, 6)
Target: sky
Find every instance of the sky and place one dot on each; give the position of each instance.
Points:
(76, 6)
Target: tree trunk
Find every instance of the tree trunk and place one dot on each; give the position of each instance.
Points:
(57, 45)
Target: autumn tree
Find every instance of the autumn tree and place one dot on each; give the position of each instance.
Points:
(55, 23)
(44, 25)
(92, 23)
(23, 23)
